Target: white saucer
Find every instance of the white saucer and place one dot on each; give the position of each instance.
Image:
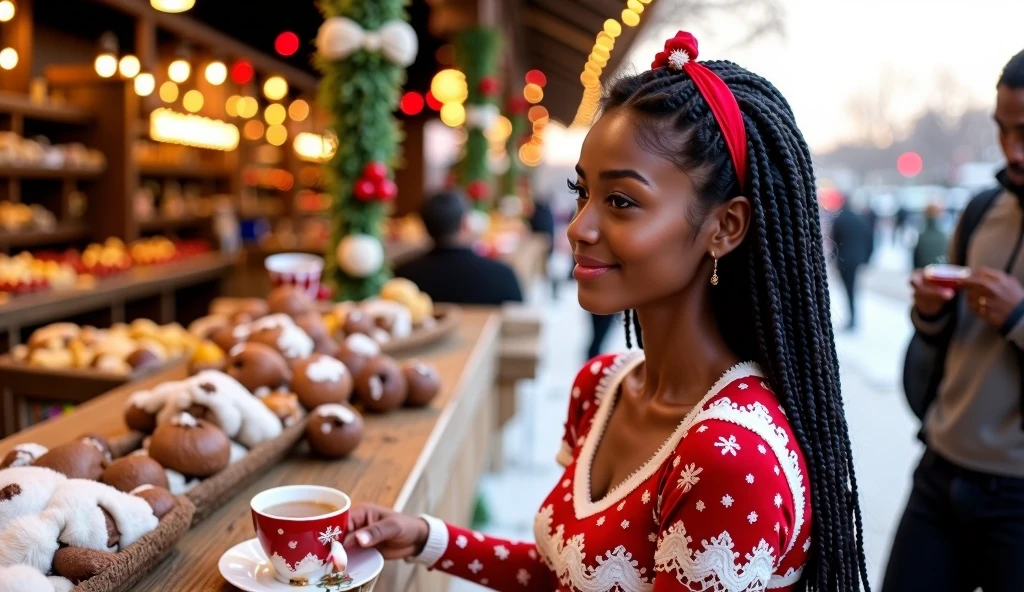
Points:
(246, 566)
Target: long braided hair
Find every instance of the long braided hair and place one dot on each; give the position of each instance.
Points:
(772, 300)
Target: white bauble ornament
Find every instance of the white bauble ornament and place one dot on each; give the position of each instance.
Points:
(479, 222)
(481, 116)
(360, 255)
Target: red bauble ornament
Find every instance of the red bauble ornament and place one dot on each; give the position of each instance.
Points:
(365, 189)
(517, 105)
(387, 190)
(489, 86)
(536, 77)
(375, 171)
(478, 190)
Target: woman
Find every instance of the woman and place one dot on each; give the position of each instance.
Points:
(717, 459)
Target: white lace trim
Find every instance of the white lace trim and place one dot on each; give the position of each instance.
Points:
(609, 383)
(615, 570)
(756, 418)
(791, 577)
(714, 569)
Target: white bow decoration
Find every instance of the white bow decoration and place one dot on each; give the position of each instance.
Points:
(339, 37)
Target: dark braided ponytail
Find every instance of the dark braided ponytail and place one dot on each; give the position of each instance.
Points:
(772, 302)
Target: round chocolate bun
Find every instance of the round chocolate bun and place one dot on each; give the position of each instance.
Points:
(225, 337)
(319, 380)
(23, 455)
(158, 498)
(334, 431)
(128, 473)
(424, 382)
(143, 359)
(190, 446)
(313, 324)
(75, 460)
(357, 321)
(381, 385)
(356, 350)
(257, 365)
(290, 300)
(139, 419)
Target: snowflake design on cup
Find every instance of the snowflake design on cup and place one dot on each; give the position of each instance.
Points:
(330, 535)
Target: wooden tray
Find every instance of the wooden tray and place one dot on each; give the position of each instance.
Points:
(137, 560)
(67, 385)
(447, 318)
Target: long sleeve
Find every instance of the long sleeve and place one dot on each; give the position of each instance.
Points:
(499, 564)
(727, 517)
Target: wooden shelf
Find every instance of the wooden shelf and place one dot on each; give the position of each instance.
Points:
(34, 172)
(184, 172)
(66, 232)
(18, 104)
(166, 223)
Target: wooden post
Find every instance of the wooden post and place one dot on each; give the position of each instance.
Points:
(17, 34)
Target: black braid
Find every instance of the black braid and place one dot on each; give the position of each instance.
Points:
(625, 321)
(773, 286)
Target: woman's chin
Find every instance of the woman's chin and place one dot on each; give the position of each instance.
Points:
(594, 303)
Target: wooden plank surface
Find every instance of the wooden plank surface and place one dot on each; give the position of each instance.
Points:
(137, 283)
(424, 460)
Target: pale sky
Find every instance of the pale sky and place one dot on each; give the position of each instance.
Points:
(833, 49)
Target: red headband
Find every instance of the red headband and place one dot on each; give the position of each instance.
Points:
(681, 54)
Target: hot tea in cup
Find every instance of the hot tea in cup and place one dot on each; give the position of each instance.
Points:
(946, 276)
(301, 529)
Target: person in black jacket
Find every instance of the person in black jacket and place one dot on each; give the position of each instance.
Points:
(853, 238)
(451, 271)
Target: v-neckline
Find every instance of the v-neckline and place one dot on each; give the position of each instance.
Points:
(607, 394)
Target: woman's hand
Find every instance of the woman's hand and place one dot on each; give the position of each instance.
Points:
(395, 535)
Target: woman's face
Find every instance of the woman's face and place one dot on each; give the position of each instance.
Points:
(632, 237)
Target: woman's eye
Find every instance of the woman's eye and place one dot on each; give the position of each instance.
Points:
(577, 189)
(619, 203)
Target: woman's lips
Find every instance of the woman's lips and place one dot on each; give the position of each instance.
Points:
(590, 269)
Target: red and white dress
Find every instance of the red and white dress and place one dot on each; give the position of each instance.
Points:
(723, 506)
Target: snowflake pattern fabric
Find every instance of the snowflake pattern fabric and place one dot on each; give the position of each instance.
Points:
(723, 507)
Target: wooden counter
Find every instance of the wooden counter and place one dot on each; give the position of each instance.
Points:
(414, 460)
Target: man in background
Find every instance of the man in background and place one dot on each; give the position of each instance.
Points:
(854, 245)
(932, 242)
(451, 271)
(963, 527)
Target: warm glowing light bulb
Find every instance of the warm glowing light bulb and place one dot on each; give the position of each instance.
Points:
(533, 93)
(169, 92)
(106, 65)
(453, 114)
(172, 5)
(630, 18)
(193, 101)
(248, 107)
(601, 52)
(635, 6)
(8, 58)
(216, 73)
(298, 110)
(231, 105)
(275, 114)
(129, 66)
(144, 84)
(179, 71)
(6, 10)
(275, 88)
(253, 130)
(449, 86)
(612, 27)
(606, 43)
(277, 135)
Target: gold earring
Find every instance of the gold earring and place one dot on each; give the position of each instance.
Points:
(714, 275)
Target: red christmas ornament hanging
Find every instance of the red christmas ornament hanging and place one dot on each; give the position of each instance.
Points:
(365, 189)
(489, 86)
(375, 171)
(478, 190)
(536, 77)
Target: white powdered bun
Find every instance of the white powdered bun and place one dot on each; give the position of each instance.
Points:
(326, 369)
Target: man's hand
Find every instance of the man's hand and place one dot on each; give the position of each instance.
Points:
(929, 300)
(993, 295)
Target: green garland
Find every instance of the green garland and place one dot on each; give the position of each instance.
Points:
(476, 55)
(520, 133)
(361, 94)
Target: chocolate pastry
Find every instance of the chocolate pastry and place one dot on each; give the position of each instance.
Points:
(290, 300)
(321, 379)
(313, 324)
(280, 332)
(128, 473)
(285, 406)
(143, 359)
(226, 337)
(158, 498)
(424, 382)
(381, 385)
(257, 365)
(334, 431)
(357, 321)
(190, 446)
(75, 460)
(356, 350)
(23, 455)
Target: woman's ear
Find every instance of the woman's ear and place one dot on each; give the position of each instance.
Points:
(728, 226)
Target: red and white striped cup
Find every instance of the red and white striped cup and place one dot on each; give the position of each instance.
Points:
(296, 269)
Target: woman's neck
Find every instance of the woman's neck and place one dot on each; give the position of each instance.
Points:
(684, 349)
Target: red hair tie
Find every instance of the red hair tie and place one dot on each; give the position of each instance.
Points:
(681, 54)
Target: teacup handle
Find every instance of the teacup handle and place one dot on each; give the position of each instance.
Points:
(339, 556)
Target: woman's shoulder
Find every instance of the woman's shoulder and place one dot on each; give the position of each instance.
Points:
(602, 373)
